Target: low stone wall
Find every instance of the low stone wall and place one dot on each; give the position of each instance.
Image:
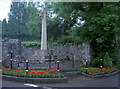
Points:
(99, 76)
(20, 52)
(35, 80)
(61, 51)
(9, 45)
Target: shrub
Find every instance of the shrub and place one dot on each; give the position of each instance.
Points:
(118, 64)
(96, 62)
(115, 60)
(31, 44)
(107, 60)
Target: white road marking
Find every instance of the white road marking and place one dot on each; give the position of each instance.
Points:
(47, 87)
(69, 81)
(32, 85)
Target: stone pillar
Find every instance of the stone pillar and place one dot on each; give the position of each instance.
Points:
(44, 30)
(44, 16)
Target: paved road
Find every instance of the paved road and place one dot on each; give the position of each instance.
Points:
(111, 81)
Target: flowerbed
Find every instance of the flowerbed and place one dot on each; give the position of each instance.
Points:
(97, 71)
(47, 73)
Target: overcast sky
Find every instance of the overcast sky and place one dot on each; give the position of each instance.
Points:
(4, 8)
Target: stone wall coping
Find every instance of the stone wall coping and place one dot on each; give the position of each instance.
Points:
(35, 80)
(104, 75)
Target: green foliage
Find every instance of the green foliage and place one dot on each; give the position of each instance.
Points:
(96, 62)
(34, 21)
(102, 72)
(107, 60)
(65, 40)
(4, 27)
(31, 44)
(98, 71)
(118, 64)
(54, 29)
(17, 19)
(32, 74)
(23, 23)
(99, 26)
(71, 22)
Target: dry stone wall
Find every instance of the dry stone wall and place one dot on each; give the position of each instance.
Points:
(81, 52)
(8, 46)
(62, 52)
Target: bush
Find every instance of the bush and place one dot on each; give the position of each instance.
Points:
(118, 64)
(107, 60)
(65, 40)
(115, 59)
(31, 44)
(96, 62)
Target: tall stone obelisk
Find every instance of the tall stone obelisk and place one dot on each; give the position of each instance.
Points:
(44, 16)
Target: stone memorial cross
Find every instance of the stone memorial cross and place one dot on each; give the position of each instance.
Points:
(44, 16)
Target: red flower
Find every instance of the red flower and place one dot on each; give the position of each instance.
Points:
(50, 68)
(110, 67)
(33, 72)
(44, 71)
(104, 69)
(6, 69)
(78, 67)
(113, 68)
(57, 71)
(83, 69)
(17, 70)
(27, 71)
(98, 69)
(92, 70)
(39, 72)
(52, 71)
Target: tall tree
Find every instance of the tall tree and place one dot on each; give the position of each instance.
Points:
(100, 25)
(100, 28)
(17, 18)
(34, 21)
(5, 31)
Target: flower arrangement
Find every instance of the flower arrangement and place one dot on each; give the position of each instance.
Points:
(97, 71)
(46, 73)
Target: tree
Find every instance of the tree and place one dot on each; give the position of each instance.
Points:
(17, 19)
(100, 28)
(100, 25)
(4, 28)
(34, 21)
